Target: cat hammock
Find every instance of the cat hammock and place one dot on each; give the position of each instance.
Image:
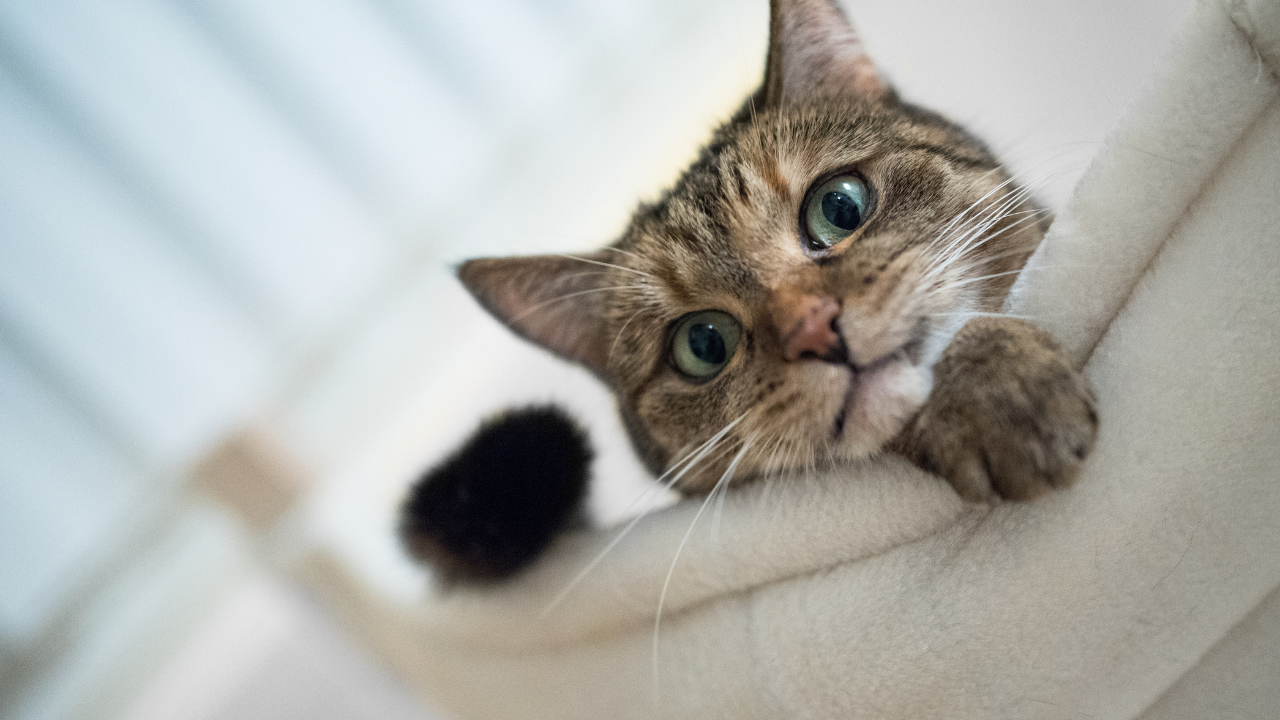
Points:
(1149, 590)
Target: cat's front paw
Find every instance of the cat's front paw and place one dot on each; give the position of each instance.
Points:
(1008, 416)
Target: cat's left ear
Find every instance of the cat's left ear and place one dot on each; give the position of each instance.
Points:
(552, 300)
(813, 52)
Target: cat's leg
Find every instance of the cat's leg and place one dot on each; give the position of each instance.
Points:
(491, 508)
(1009, 415)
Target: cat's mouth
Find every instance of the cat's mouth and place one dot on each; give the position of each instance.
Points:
(878, 393)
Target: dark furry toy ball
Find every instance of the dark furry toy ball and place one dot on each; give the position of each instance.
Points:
(493, 506)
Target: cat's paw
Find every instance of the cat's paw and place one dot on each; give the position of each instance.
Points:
(1009, 415)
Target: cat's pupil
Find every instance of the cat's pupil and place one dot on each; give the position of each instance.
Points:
(707, 344)
(841, 210)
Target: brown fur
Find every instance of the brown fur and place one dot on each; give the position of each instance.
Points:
(1000, 410)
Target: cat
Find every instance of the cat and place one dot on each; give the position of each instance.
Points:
(823, 283)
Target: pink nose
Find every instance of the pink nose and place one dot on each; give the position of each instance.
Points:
(813, 334)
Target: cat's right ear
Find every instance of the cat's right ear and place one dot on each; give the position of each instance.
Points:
(552, 300)
(813, 51)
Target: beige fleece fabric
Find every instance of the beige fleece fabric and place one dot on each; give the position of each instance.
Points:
(1146, 591)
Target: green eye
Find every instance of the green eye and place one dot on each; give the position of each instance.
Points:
(704, 343)
(834, 210)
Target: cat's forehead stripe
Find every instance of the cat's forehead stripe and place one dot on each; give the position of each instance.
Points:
(773, 176)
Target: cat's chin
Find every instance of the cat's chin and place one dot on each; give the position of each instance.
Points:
(877, 404)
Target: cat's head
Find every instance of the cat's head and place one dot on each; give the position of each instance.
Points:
(786, 300)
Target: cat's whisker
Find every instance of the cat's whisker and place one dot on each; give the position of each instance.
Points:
(778, 458)
(720, 501)
(793, 452)
(998, 213)
(560, 298)
(769, 466)
(767, 493)
(958, 283)
(978, 313)
(948, 234)
(1033, 211)
(613, 346)
(720, 452)
(792, 455)
(961, 245)
(719, 511)
(605, 264)
(948, 227)
(978, 263)
(989, 216)
(1024, 217)
(667, 480)
(959, 216)
(971, 240)
(953, 283)
(677, 471)
(624, 252)
(965, 266)
(666, 583)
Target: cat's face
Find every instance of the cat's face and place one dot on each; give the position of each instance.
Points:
(782, 305)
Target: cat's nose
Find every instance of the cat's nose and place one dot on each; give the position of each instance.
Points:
(813, 334)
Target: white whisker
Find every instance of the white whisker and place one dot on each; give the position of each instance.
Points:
(961, 243)
(604, 264)
(977, 313)
(614, 345)
(624, 252)
(953, 283)
(773, 452)
(719, 511)
(666, 584)
(567, 296)
(947, 228)
(679, 469)
(986, 218)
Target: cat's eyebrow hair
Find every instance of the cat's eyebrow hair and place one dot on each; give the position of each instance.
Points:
(951, 156)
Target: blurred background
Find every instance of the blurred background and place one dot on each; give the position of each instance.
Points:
(229, 333)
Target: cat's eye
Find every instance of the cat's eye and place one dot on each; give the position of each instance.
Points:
(834, 210)
(704, 342)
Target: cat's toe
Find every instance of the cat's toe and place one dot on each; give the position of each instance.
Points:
(1013, 461)
(1009, 416)
(1040, 443)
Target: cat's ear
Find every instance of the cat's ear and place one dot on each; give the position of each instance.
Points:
(552, 300)
(813, 51)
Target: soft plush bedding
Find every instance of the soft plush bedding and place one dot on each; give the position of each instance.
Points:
(1149, 590)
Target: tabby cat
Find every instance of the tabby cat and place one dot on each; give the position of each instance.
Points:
(823, 283)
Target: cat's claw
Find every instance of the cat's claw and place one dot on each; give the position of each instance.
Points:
(1009, 416)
